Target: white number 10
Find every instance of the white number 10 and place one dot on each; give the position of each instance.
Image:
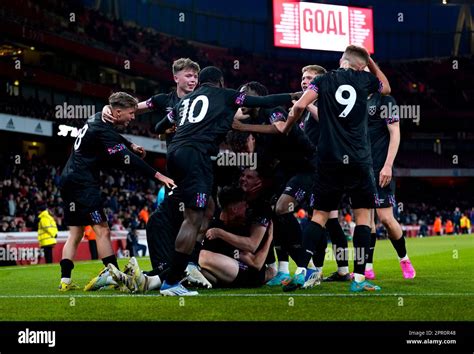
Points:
(188, 112)
(348, 102)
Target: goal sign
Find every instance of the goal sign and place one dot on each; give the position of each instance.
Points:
(320, 26)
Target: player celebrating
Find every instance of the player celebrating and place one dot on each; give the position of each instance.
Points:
(185, 74)
(203, 118)
(385, 139)
(344, 159)
(98, 142)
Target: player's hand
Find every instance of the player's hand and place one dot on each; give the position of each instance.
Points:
(385, 176)
(139, 150)
(171, 130)
(239, 115)
(281, 126)
(212, 234)
(166, 180)
(295, 96)
(107, 115)
(238, 125)
(256, 188)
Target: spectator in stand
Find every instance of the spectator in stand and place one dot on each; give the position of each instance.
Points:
(457, 220)
(465, 224)
(449, 227)
(437, 226)
(132, 243)
(423, 231)
(11, 205)
(118, 226)
(144, 215)
(47, 232)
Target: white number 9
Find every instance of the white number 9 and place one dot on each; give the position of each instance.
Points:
(348, 102)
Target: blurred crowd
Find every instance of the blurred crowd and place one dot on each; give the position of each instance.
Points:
(24, 187)
(130, 199)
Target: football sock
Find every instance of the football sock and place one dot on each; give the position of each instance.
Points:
(400, 247)
(284, 267)
(154, 282)
(373, 241)
(66, 268)
(110, 260)
(312, 235)
(361, 248)
(343, 270)
(178, 265)
(195, 255)
(339, 242)
(318, 258)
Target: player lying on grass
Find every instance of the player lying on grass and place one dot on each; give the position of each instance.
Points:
(240, 228)
(229, 257)
(98, 144)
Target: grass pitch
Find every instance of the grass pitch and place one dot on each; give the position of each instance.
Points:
(443, 290)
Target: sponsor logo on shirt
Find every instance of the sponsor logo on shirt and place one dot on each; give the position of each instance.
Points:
(276, 117)
(149, 103)
(115, 149)
(201, 200)
(313, 87)
(240, 99)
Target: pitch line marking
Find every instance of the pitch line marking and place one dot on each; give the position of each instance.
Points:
(72, 294)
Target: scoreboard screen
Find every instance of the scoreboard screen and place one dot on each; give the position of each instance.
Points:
(320, 26)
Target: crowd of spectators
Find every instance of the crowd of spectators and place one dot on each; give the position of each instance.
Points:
(129, 199)
(431, 83)
(25, 186)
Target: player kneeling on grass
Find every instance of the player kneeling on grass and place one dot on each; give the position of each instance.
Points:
(221, 262)
(97, 144)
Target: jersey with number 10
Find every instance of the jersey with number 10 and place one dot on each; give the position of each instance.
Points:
(204, 116)
(342, 105)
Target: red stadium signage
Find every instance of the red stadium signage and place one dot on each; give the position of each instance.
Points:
(320, 26)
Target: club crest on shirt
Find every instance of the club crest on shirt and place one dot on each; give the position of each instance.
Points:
(372, 110)
(277, 116)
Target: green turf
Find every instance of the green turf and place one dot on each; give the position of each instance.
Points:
(442, 291)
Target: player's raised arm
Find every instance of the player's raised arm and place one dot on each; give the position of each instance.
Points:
(123, 109)
(308, 97)
(166, 123)
(269, 101)
(374, 69)
(254, 128)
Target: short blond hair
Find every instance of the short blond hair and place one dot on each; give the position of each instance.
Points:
(122, 100)
(316, 68)
(356, 56)
(185, 63)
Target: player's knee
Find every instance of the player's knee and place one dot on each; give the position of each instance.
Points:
(204, 259)
(103, 233)
(194, 218)
(387, 219)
